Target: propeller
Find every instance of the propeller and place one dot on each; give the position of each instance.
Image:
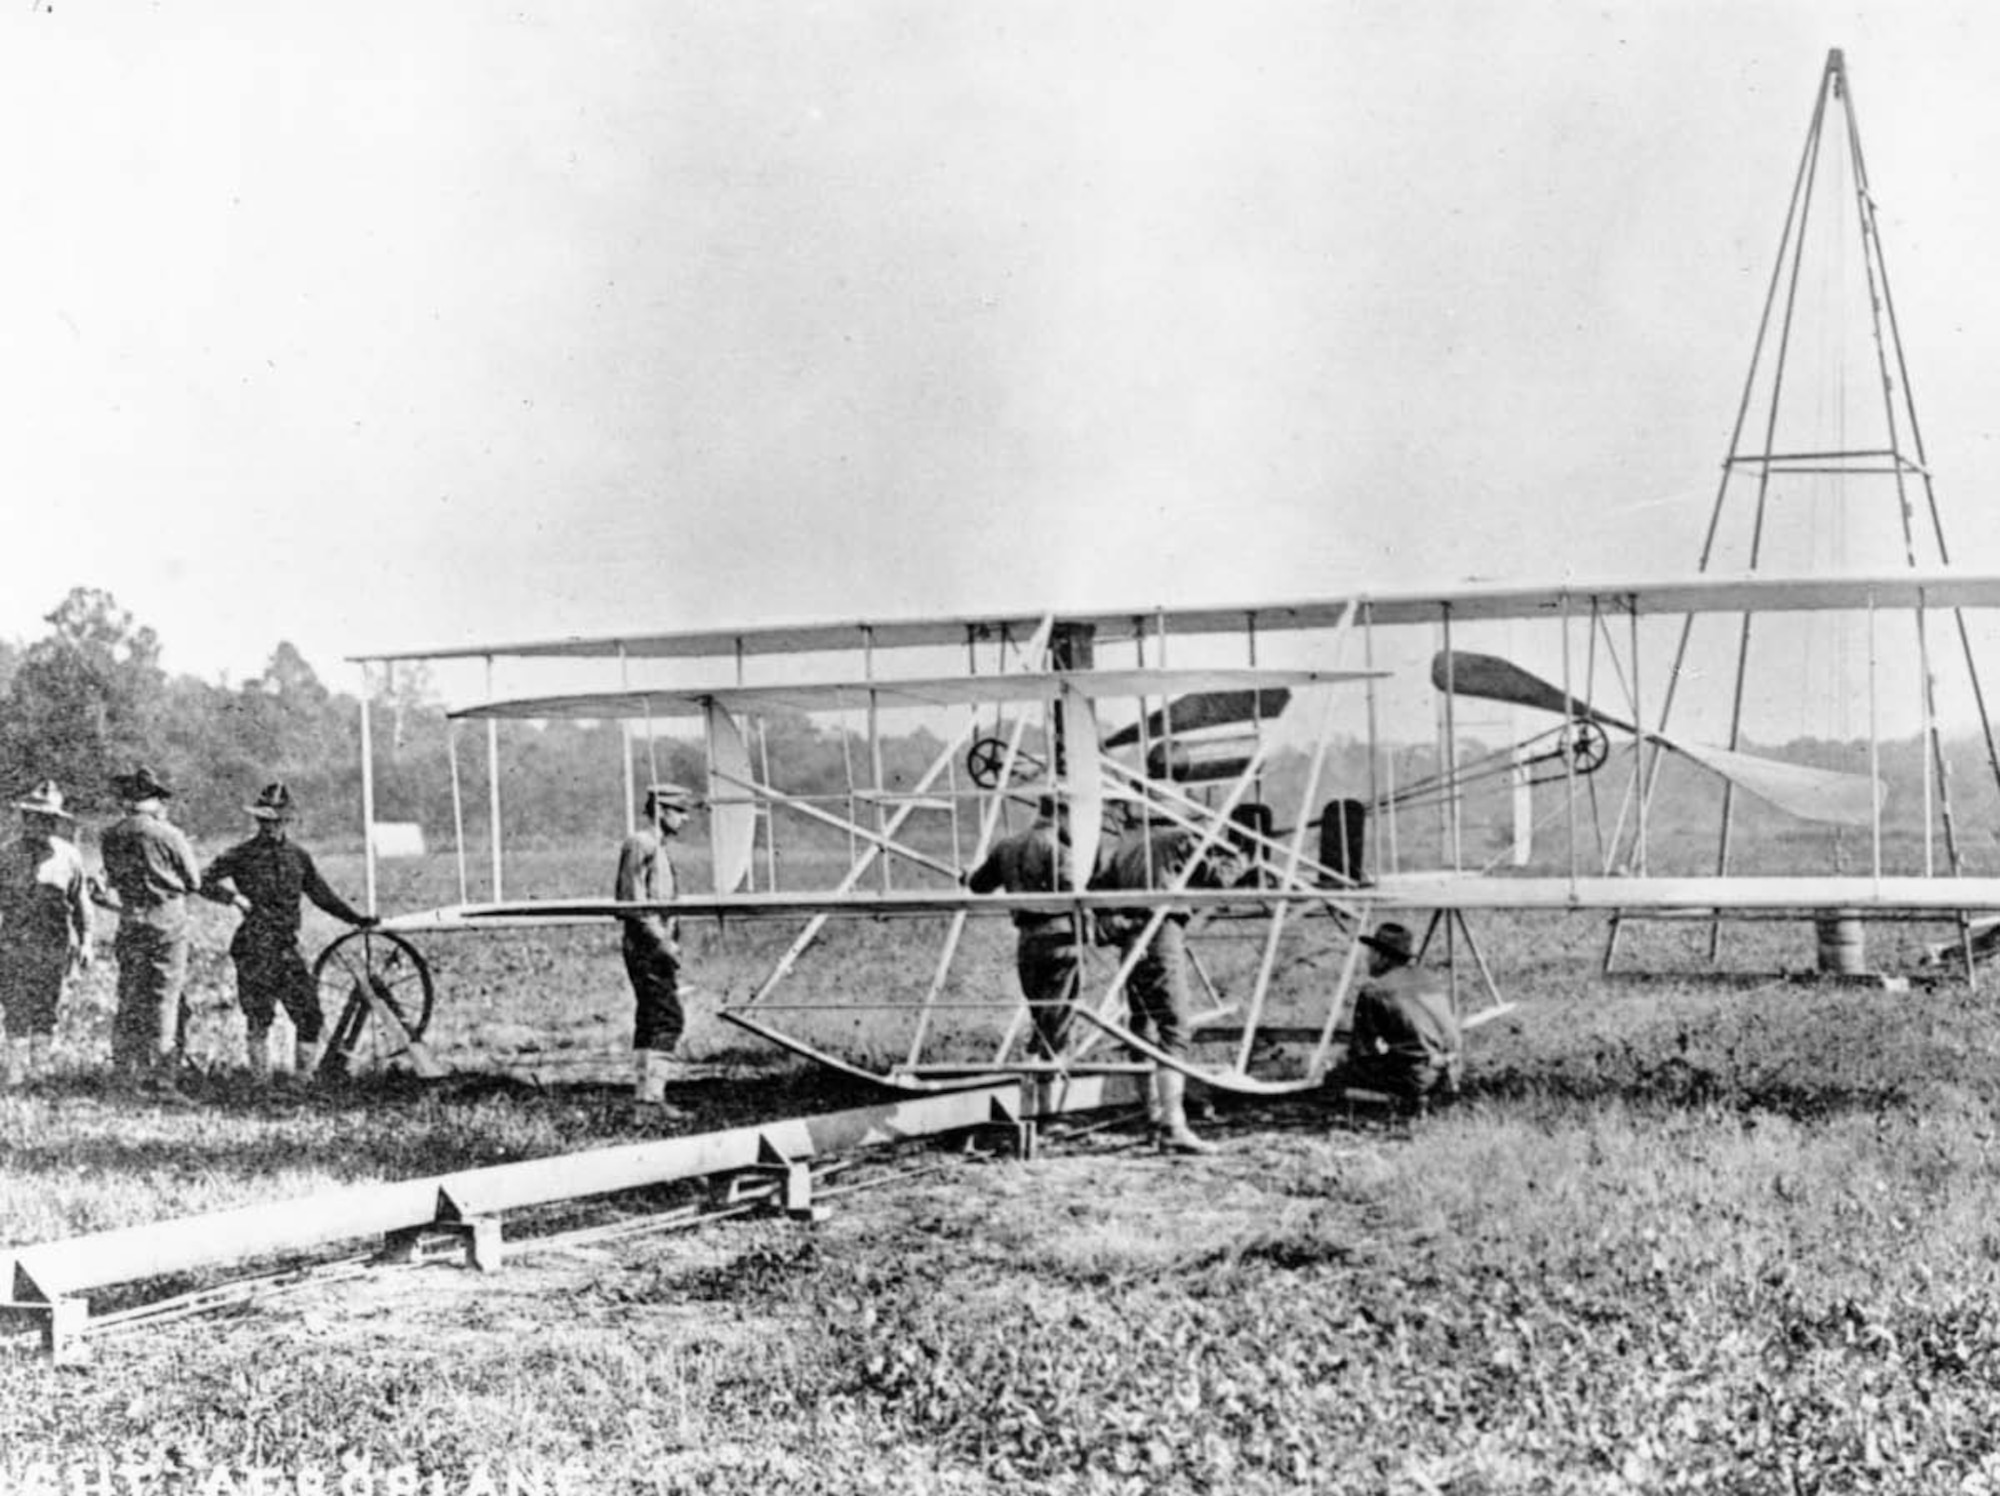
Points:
(1205, 709)
(1811, 794)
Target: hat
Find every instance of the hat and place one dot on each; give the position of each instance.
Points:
(669, 797)
(140, 784)
(1392, 940)
(274, 803)
(44, 800)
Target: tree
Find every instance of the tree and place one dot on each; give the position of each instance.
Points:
(84, 702)
(289, 679)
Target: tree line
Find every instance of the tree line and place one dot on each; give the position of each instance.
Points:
(90, 699)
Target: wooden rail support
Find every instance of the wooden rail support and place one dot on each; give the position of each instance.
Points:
(474, 1243)
(1018, 1137)
(786, 1184)
(1011, 1124)
(459, 1233)
(60, 1322)
(785, 1181)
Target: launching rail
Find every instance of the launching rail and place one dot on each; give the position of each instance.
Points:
(46, 1285)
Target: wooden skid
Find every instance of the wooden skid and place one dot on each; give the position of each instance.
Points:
(1233, 1081)
(893, 1080)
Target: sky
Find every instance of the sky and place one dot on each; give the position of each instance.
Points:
(373, 328)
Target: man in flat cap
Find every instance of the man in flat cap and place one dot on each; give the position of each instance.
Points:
(1407, 1043)
(151, 869)
(263, 879)
(652, 944)
(44, 926)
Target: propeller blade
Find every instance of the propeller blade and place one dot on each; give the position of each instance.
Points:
(1205, 709)
(1811, 794)
(1493, 679)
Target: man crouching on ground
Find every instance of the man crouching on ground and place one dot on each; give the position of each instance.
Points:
(1406, 1041)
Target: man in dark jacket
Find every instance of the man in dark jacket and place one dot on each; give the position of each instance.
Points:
(263, 879)
(1040, 860)
(1407, 1041)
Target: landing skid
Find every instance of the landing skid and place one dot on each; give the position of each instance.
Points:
(1232, 1081)
(888, 1080)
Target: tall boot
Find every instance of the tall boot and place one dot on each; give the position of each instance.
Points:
(1174, 1134)
(1155, 1115)
(257, 1052)
(14, 1064)
(39, 1046)
(649, 1077)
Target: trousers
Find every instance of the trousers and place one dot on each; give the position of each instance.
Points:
(657, 1018)
(1157, 991)
(152, 968)
(270, 973)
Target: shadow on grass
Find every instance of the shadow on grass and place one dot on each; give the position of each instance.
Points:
(1676, 1084)
(224, 1126)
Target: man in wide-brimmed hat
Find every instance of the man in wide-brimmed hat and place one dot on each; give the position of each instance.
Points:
(263, 879)
(44, 926)
(151, 868)
(651, 942)
(1406, 1040)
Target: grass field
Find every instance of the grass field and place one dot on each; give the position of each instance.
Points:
(1682, 1234)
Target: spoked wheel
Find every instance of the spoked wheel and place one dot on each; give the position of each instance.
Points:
(378, 987)
(1588, 747)
(985, 761)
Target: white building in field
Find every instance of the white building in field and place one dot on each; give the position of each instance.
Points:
(398, 839)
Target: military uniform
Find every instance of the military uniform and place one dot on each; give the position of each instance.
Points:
(1046, 951)
(1406, 1039)
(1157, 986)
(651, 943)
(44, 926)
(150, 866)
(270, 968)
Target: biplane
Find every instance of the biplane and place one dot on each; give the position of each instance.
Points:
(1284, 754)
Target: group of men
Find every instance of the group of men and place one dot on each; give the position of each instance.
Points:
(1405, 1041)
(150, 873)
(1152, 942)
